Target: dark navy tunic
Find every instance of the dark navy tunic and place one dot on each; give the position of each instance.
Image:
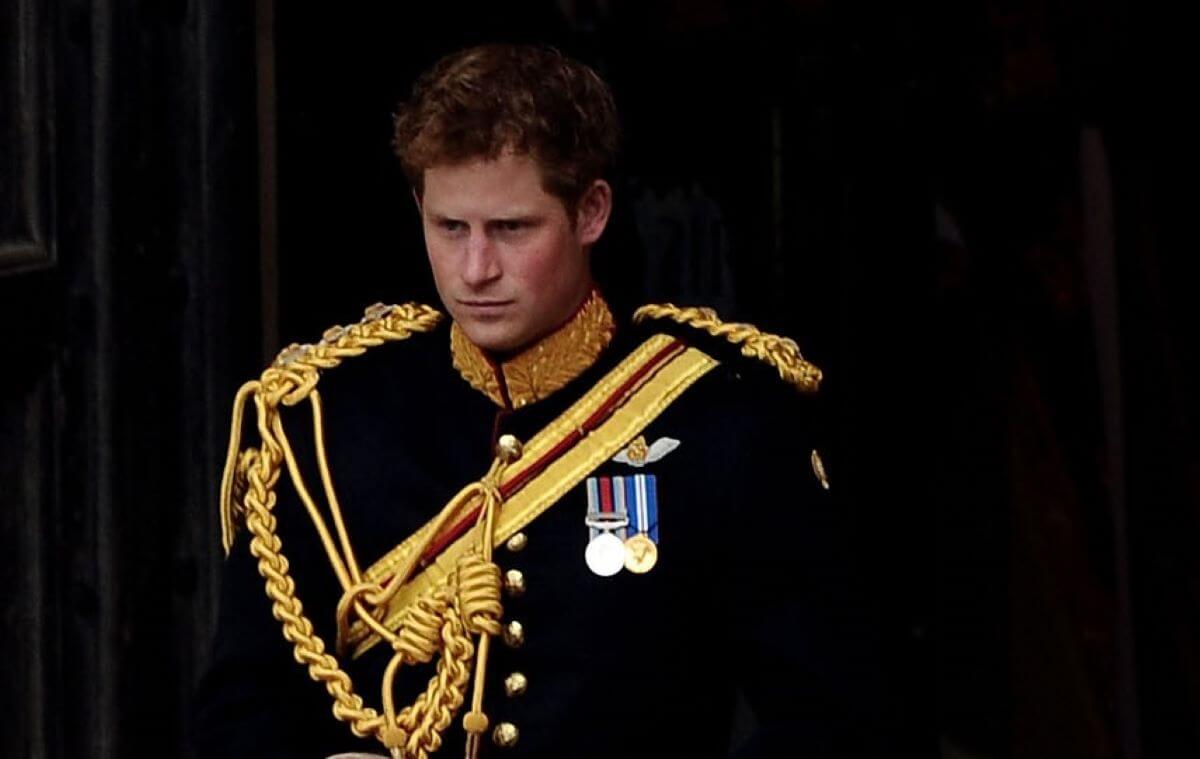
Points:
(755, 590)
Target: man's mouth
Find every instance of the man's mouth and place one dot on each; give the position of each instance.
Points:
(482, 305)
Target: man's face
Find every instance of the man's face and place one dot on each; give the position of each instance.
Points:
(508, 263)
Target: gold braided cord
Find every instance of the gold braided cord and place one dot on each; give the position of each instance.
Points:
(294, 374)
(439, 623)
(309, 649)
(779, 352)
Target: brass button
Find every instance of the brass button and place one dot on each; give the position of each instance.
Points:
(508, 448)
(514, 583)
(505, 735)
(514, 634)
(515, 685)
(517, 542)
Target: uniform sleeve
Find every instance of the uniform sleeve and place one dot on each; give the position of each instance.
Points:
(803, 625)
(254, 700)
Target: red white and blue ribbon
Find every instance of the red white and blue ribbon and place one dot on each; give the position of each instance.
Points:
(624, 506)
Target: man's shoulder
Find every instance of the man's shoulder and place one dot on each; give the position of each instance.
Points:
(758, 415)
(345, 355)
(757, 359)
(391, 364)
(763, 389)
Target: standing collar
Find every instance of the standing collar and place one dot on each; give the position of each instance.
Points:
(541, 368)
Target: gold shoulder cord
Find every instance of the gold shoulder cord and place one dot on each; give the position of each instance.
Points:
(443, 620)
(780, 352)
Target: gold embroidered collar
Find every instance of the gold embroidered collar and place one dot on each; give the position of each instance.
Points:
(542, 368)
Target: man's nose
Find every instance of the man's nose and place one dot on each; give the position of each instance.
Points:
(481, 264)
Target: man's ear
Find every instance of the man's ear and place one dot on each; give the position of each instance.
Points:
(591, 215)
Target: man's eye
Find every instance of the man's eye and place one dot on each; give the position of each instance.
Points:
(449, 225)
(512, 225)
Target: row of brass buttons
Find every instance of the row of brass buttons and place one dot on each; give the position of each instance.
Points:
(506, 734)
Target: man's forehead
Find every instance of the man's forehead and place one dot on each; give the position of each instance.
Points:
(503, 185)
(505, 160)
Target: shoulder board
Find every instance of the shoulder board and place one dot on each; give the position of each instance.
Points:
(292, 377)
(782, 353)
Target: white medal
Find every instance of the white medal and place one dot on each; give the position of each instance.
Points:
(605, 554)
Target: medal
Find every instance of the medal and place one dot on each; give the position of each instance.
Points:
(607, 520)
(622, 521)
(640, 554)
(641, 498)
(605, 554)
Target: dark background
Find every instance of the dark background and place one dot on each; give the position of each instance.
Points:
(960, 210)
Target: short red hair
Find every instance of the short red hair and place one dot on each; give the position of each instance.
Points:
(483, 101)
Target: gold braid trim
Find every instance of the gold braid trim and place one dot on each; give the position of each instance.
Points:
(780, 352)
(440, 623)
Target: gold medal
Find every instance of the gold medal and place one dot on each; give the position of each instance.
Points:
(640, 554)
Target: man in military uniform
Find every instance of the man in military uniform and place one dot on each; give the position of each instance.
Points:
(587, 533)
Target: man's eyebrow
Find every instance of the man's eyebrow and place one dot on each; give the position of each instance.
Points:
(520, 217)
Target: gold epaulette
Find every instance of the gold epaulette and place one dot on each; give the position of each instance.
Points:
(779, 352)
(293, 376)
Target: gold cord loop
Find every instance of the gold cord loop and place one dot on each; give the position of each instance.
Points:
(479, 594)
